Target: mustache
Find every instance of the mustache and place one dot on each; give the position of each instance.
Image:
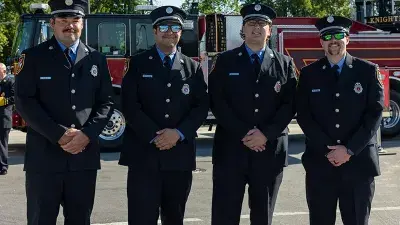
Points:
(69, 30)
(335, 43)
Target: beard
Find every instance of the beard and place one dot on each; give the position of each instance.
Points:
(335, 48)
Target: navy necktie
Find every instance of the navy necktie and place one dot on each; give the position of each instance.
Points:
(66, 52)
(167, 62)
(256, 63)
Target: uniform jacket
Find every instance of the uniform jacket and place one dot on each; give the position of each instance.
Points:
(51, 95)
(7, 89)
(154, 98)
(241, 101)
(344, 110)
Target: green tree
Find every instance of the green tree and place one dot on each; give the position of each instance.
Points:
(11, 10)
(308, 8)
(215, 6)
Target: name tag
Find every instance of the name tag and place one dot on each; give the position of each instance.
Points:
(315, 90)
(147, 76)
(233, 74)
(45, 78)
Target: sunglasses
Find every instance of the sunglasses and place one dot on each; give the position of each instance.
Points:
(174, 28)
(337, 36)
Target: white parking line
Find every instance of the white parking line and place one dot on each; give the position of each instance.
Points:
(159, 222)
(306, 213)
(394, 208)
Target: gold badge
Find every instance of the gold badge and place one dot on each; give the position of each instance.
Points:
(20, 64)
(126, 66)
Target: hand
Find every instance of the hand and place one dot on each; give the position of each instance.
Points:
(166, 138)
(64, 139)
(338, 155)
(255, 140)
(78, 143)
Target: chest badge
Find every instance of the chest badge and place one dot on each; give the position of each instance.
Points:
(94, 71)
(358, 88)
(185, 89)
(277, 87)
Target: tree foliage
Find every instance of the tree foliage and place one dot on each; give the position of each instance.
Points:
(11, 10)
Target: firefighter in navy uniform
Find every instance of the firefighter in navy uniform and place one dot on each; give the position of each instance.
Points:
(164, 100)
(6, 107)
(63, 91)
(252, 92)
(339, 108)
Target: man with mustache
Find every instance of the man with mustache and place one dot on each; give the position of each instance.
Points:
(252, 97)
(63, 91)
(339, 108)
(164, 100)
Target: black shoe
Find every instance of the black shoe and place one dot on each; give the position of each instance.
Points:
(3, 172)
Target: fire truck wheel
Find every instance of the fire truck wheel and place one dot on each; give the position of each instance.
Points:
(391, 125)
(111, 137)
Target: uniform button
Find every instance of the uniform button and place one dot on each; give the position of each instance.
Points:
(167, 100)
(73, 107)
(73, 125)
(73, 91)
(73, 75)
(337, 94)
(257, 81)
(337, 110)
(166, 116)
(338, 141)
(337, 125)
(256, 110)
(169, 85)
(257, 95)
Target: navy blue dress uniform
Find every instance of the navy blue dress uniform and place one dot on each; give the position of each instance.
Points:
(54, 93)
(6, 108)
(155, 95)
(243, 98)
(340, 109)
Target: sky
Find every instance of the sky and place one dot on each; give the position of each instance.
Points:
(177, 3)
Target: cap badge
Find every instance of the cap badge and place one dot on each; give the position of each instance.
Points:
(51, 48)
(257, 7)
(69, 2)
(94, 71)
(358, 88)
(277, 87)
(330, 19)
(169, 10)
(185, 89)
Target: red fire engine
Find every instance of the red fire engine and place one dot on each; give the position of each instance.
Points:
(120, 36)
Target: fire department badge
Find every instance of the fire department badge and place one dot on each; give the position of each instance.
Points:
(277, 87)
(358, 88)
(169, 10)
(69, 2)
(330, 19)
(94, 71)
(257, 7)
(20, 64)
(185, 89)
(126, 66)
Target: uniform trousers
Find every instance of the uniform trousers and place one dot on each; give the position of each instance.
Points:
(4, 133)
(354, 197)
(228, 191)
(152, 192)
(73, 190)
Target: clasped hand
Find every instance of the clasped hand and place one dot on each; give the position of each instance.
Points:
(74, 141)
(166, 138)
(255, 140)
(338, 155)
